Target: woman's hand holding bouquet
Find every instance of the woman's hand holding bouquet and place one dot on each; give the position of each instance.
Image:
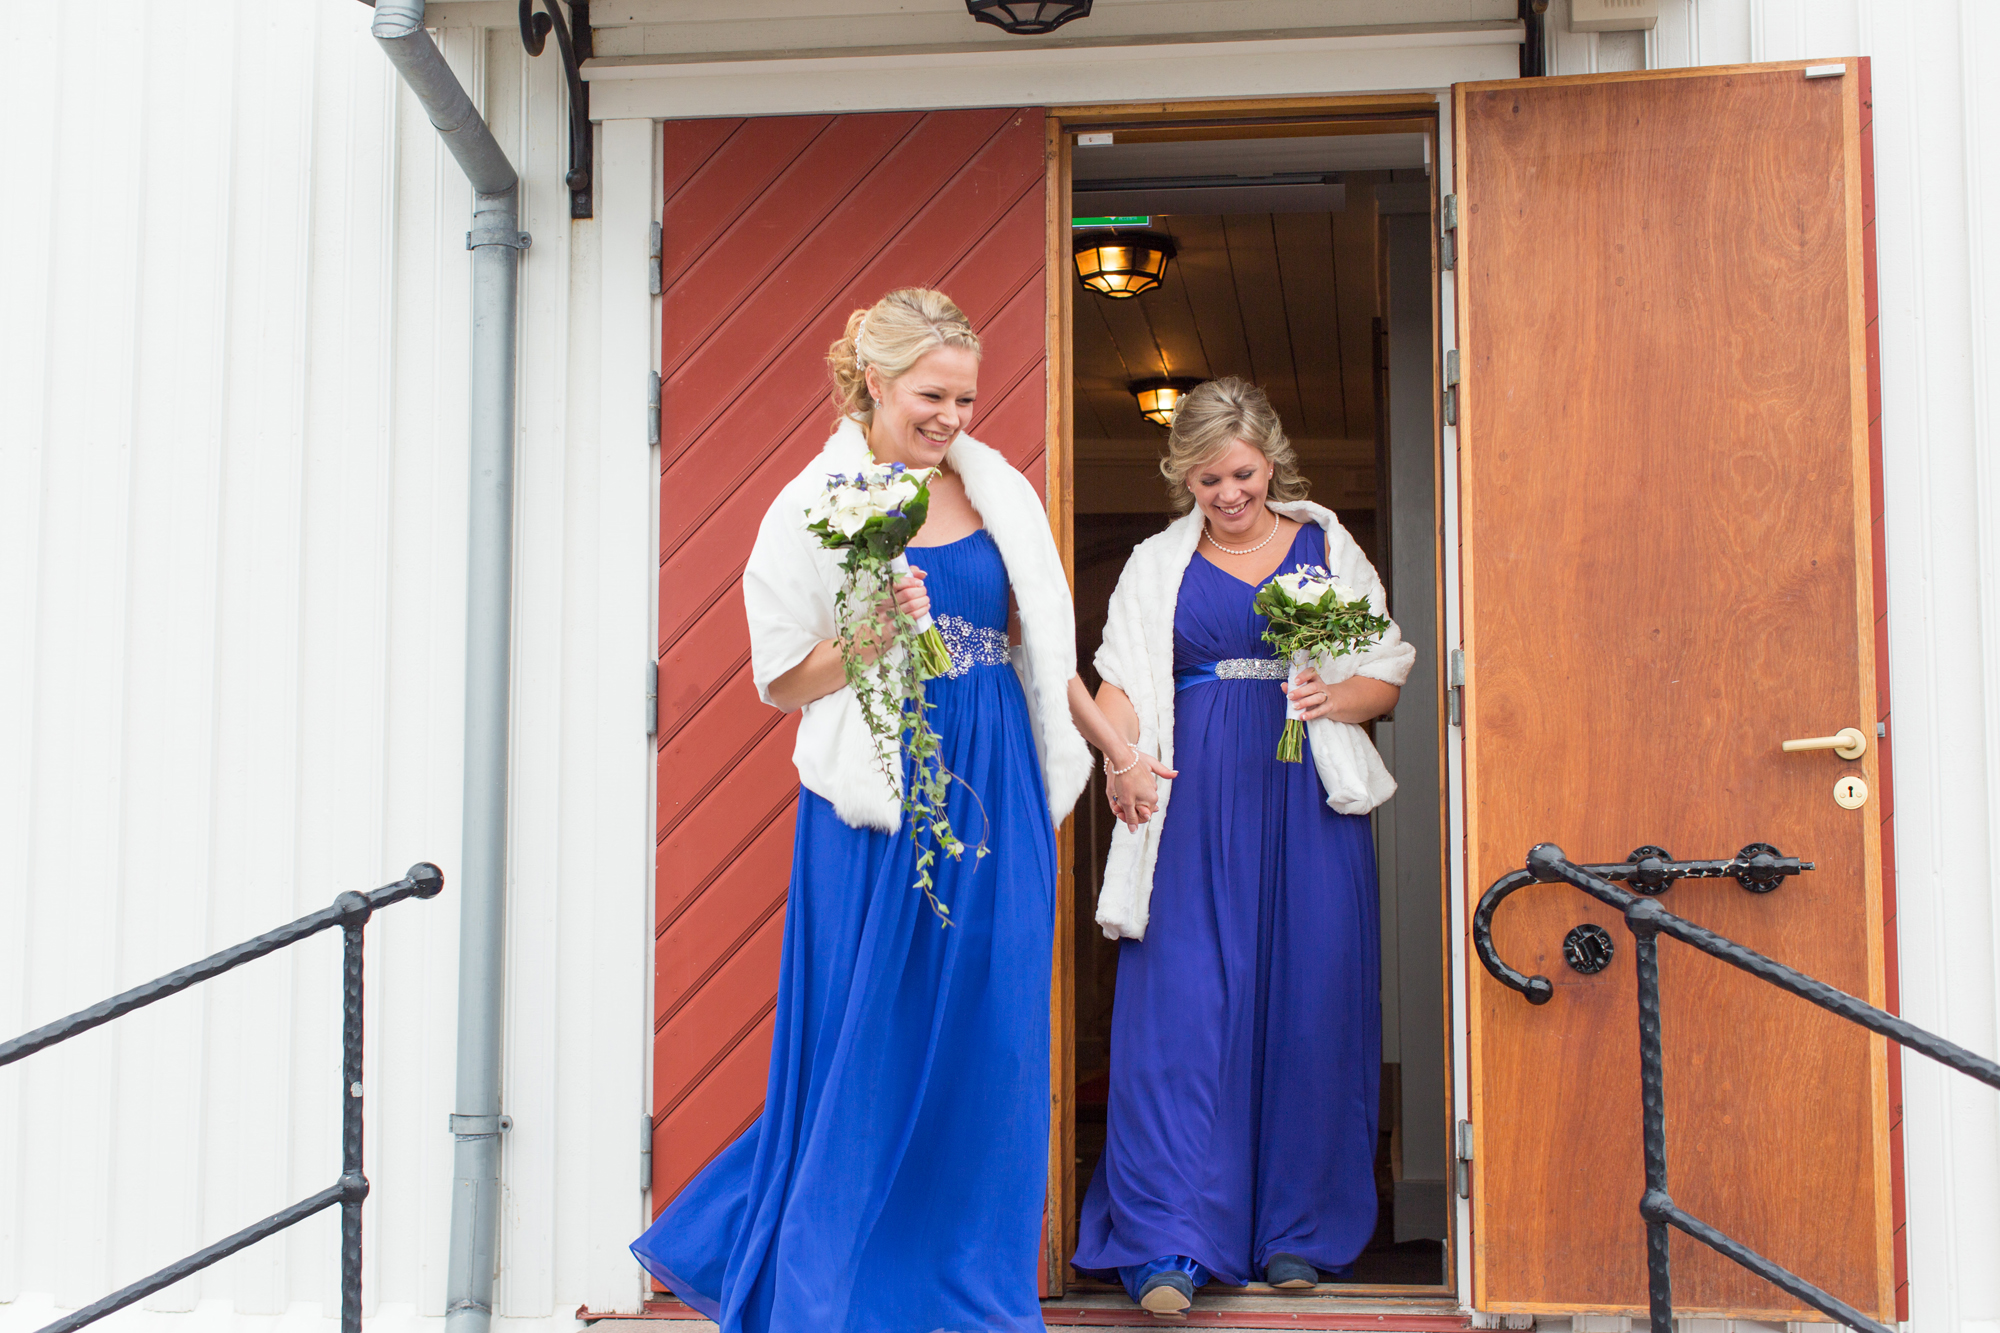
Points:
(887, 641)
(1312, 614)
(872, 515)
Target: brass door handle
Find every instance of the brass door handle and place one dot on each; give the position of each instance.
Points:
(1848, 743)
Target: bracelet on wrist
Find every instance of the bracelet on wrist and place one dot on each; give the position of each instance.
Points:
(1111, 772)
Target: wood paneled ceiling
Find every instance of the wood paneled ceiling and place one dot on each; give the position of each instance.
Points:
(1287, 300)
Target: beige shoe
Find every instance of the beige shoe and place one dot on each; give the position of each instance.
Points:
(1167, 1296)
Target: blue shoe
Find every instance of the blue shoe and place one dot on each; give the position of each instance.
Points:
(1167, 1295)
(1288, 1272)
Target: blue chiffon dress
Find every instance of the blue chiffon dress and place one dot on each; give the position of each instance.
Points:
(1246, 1033)
(894, 1182)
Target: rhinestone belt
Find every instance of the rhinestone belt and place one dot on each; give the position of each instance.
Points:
(1232, 668)
(971, 645)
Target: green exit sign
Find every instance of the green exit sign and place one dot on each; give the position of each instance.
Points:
(1142, 220)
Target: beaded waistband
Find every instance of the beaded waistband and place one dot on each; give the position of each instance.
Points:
(1232, 668)
(972, 645)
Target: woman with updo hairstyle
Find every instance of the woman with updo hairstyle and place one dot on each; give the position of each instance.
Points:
(1246, 1028)
(894, 1181)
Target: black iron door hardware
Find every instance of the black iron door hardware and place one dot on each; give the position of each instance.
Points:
(1650, 870)
(1759, 868)
(1588, 949)
(573, 42)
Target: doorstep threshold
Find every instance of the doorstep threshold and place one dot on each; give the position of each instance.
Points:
(1348, 1314)
(1338, 1314)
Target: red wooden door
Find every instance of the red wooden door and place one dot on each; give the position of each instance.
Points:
(774, 230)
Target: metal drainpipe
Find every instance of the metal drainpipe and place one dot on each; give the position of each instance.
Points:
(495, 242)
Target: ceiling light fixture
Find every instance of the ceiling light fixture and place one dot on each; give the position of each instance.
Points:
(1027, 18)
(1159, 399)
(1121, 264)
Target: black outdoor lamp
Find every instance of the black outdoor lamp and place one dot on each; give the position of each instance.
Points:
(1027, 18)
(1122, 264)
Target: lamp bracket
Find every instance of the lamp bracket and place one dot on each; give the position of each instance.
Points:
(573, 41)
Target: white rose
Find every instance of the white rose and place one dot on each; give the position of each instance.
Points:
(1304, 586)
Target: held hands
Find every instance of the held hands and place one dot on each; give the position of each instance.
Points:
(1135, 794)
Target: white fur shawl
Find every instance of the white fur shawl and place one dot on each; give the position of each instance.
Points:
(788, 592)
(1138, 657)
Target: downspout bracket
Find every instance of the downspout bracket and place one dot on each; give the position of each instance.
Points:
(513, 240)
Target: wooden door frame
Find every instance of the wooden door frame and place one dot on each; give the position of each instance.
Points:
(1058, 1235)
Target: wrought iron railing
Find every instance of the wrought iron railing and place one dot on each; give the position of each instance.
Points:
(1651, 871)
(350, 912)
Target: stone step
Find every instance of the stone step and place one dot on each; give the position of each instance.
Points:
(1323, 1314)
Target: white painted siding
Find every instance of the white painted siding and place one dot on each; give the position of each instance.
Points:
(232, 493)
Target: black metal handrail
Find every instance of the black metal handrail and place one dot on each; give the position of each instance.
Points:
(350, 911)
(1759, 868)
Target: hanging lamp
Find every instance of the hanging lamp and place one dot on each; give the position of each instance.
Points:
(1027, 18)
(1121, 264)
(1160, 398)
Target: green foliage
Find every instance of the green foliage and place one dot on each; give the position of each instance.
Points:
(1330, 627)
(890, 690)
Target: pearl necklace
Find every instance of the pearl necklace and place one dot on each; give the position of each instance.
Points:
(1276, 523)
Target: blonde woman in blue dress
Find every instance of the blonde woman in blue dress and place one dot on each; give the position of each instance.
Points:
(894, 1182)
(1246, 1030)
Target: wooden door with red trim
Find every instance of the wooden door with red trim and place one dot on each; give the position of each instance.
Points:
(774, 229)
(1670, 487)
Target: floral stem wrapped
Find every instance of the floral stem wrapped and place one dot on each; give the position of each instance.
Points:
(871, 515)
(1312, 614)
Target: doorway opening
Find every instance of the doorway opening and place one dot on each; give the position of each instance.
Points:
(1302, 259)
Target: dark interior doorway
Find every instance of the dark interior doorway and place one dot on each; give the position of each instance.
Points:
(1303, 261)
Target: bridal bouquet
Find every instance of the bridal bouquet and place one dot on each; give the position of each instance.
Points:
(1313, 614)
(871, 515)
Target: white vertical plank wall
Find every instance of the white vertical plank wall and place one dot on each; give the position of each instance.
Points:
(232, 480)
(232, 489)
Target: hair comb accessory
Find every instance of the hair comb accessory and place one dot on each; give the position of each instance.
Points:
(860, 328)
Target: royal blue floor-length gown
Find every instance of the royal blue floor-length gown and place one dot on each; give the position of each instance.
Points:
(894, 1181)
(1246, 1032)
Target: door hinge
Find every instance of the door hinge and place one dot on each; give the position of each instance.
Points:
(1456, 680)
(1451, 386)
(645, 1151)
(1448, 233)
(654, 283)
(652, 698)
(1462, 1163)
(652, 407)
